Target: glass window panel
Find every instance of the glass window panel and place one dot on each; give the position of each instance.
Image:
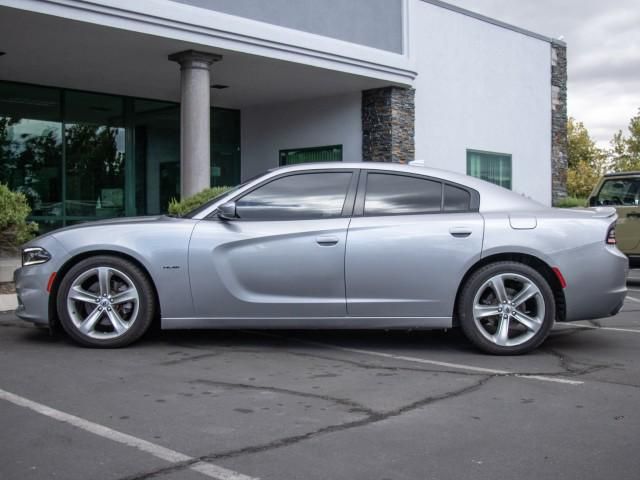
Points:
(456, 199)
(95, 155)
(157, 155)
(492, 167)
(623, 191)
(304, 196)
(31, 146)
(306, 155)
(32, 157)
(225, 147)
(389, 194)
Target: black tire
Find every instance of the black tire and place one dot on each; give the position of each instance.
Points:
(122, 272)
(477, 332)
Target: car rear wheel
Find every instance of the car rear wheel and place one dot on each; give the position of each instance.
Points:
(506, 308)
(106, 302)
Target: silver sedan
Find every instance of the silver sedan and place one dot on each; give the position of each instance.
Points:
(333, 245)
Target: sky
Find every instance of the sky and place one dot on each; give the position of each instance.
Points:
(603, 48)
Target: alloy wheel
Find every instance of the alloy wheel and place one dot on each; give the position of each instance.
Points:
(103, 303)
(508, 309)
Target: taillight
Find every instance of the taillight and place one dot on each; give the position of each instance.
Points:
(611, 235)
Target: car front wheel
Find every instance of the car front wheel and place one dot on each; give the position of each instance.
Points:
(506, 308)
(106, 302)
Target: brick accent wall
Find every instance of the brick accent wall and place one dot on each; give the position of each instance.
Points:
(388, 125)
(559, 159)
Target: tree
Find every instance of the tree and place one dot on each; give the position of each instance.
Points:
(625, 150)
(587, 162)
(580, 146)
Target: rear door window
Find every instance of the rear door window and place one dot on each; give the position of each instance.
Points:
(390, 194)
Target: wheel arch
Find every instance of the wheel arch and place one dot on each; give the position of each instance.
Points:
(62, 271)
(534, 262)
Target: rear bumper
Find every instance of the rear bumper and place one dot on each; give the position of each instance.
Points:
(596, 277)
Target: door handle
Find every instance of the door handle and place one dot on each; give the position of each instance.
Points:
(326, 241)
(460, 232)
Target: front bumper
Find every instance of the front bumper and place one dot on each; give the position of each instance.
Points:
(32, 281)
(31, 290)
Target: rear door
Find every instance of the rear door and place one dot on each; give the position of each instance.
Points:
(410, 242)
(284, 254)
(624, 195)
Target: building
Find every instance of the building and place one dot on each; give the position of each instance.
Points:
(112, 107)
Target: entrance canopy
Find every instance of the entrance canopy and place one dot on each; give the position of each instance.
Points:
(55, 51)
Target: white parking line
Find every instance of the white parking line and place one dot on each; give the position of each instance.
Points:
(594, 327)
(158, 451)
(456, 366)
(633, 299)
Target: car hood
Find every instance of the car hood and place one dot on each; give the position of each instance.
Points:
(117, 221)
(154, 219)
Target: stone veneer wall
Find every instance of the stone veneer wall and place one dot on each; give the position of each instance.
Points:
(388, 125)
(559, 155)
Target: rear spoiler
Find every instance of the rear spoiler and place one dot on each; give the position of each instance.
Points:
(600, 212)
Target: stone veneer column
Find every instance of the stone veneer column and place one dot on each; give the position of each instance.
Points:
(559, 147)
(388, 125)
(195, 113)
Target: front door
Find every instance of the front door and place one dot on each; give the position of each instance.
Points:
(410, 247)
(283, 256)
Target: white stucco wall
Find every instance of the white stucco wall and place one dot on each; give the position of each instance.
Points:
(318, 122)
(481, 87)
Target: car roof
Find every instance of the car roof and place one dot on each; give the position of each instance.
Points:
(492, 197)
(390, 167)
(621, 174)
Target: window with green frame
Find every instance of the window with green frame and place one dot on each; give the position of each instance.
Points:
(332, 153)
(490, 166)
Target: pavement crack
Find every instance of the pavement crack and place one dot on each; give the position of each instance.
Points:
(374, 417)
(371, 418)
(192, 358)
(368, 366)
(571, 366)
(354, 407)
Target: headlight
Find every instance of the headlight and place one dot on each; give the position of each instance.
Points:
(34, 256)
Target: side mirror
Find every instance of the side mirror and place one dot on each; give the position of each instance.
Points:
(227, 211)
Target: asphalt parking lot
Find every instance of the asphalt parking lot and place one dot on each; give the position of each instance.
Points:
(322, 405)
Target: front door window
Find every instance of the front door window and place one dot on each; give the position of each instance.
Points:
(297, 197)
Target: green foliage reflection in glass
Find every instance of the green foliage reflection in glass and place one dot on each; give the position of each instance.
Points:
(332, 153)
(14, 228)
(179, 208)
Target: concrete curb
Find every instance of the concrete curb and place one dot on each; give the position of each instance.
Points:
(8, 302)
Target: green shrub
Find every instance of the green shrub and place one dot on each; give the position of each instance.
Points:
(14, 228)
(181, 207)
(571, 202)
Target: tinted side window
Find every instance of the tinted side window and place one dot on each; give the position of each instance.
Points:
(393, 194)
(625, 191)
(456, 199)
(304, 196)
